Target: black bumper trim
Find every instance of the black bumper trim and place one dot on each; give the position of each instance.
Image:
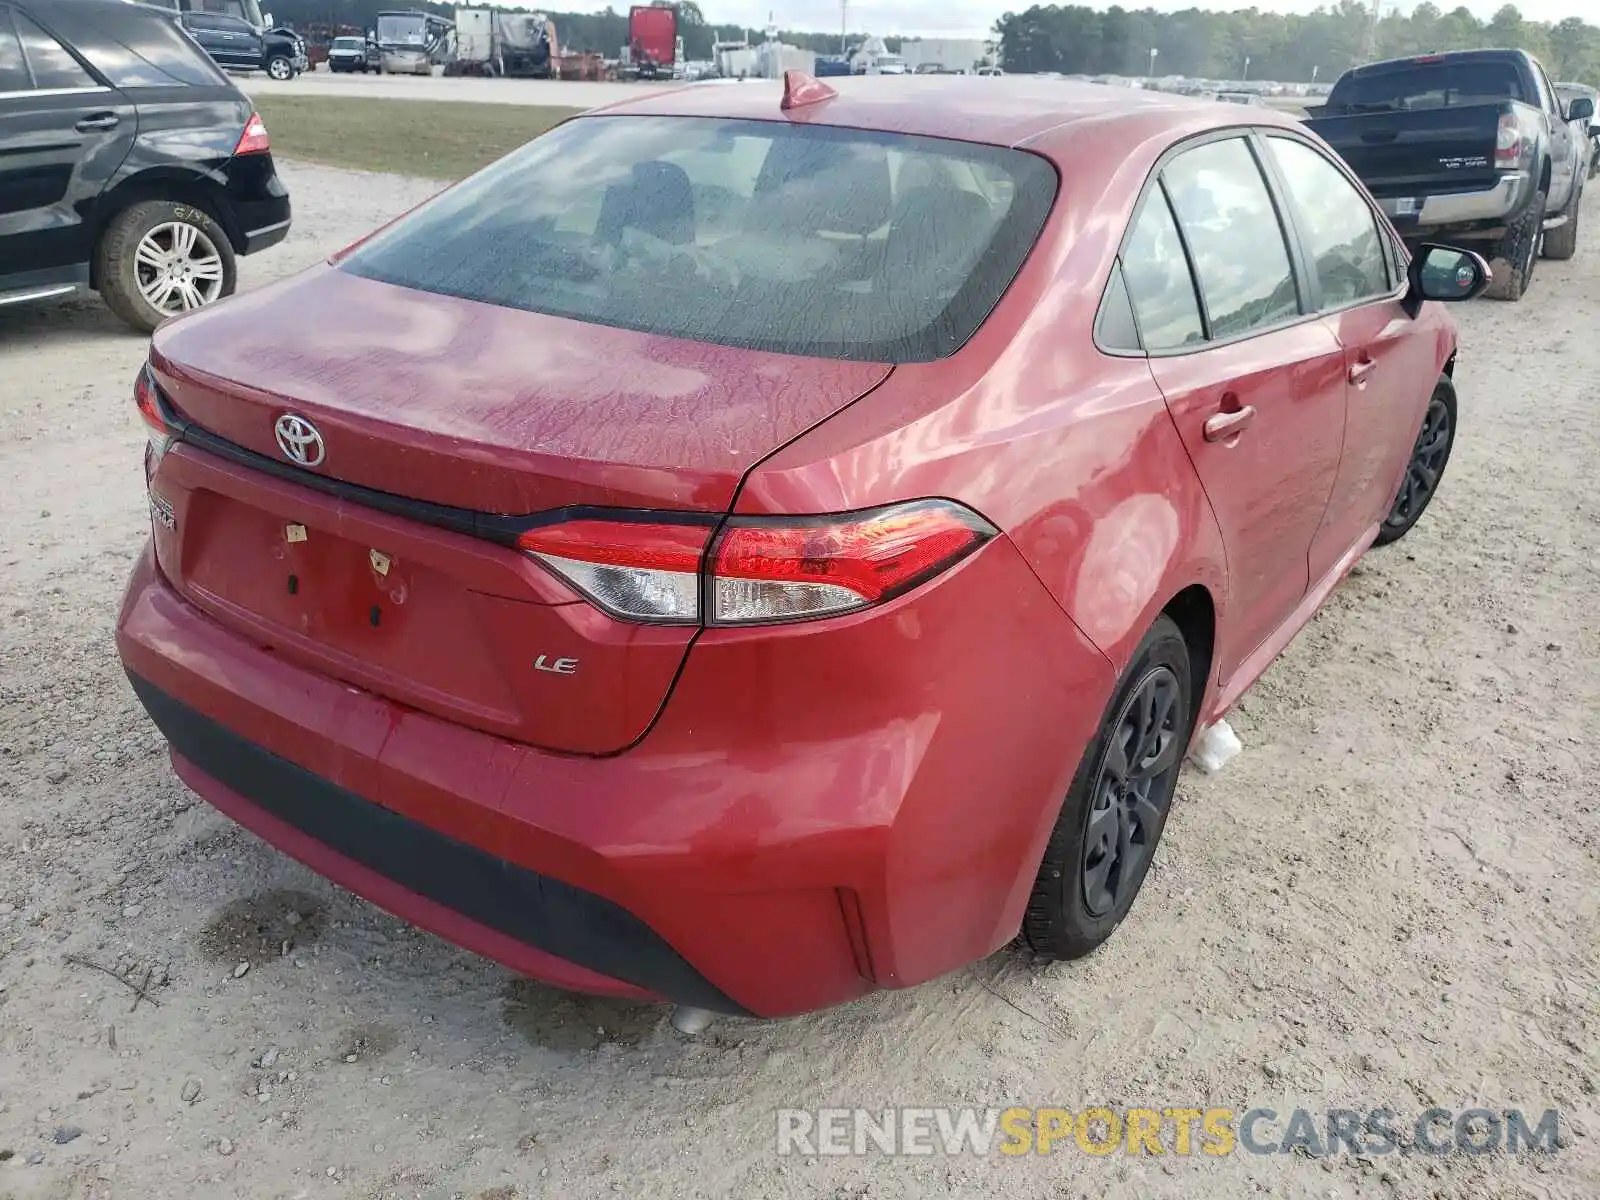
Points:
(257, 240)
(547, 914)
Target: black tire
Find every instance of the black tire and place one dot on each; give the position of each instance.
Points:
(1430, 455)
(1562, 243)
(117, 270)
(1514, 257)
(281, 68)
(1063, 919)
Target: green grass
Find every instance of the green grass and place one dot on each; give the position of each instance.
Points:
(439, 139)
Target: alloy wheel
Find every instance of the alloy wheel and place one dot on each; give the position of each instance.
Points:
(178, 268)
(1427, 463)
(280, 69)
(1129, 799)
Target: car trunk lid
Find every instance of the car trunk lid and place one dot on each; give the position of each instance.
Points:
(443, 423)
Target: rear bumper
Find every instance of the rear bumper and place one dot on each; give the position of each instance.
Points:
(793, 833)
(257, 212)
(256, 240)
(1490, 206)
(439, 882)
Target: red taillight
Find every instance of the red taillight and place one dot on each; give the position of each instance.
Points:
(148, 402)
(763, 570)
(254, 139)
(638, 570)
(785, 569)
(1508, 145)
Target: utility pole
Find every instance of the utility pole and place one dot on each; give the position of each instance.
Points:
(844, 28)
(1369, 37)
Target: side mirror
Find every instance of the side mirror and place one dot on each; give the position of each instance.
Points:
(1581, 109)
(1445, 273)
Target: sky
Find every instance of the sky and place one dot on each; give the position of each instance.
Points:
(974, 18)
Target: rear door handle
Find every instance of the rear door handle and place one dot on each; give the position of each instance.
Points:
(1359, 372)
(98, 121)
(1227, 425)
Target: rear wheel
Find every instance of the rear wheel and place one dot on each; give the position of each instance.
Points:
(1106, 835)
(1517, 252)
(1561, 244)
(159, 258)
(1429, 457)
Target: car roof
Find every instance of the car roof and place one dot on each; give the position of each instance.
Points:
(1010, 111)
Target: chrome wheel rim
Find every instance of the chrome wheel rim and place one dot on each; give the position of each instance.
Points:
(278, 69)
(178, 268)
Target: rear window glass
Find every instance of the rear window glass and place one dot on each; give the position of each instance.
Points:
(797, 239)
(51, 63)
(13, 71)
(348, 43)
(145, 48)
(1429, 85)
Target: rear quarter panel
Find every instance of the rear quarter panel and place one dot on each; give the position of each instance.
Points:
(1069, 451)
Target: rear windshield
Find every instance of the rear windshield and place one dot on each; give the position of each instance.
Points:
(348, 43)
(1428, 85)
(797, 239)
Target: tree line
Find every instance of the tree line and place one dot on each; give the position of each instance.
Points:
(1073, 39)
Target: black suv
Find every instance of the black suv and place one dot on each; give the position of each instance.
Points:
(128, 162)
(237, 45)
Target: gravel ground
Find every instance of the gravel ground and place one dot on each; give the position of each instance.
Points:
(1388, 900)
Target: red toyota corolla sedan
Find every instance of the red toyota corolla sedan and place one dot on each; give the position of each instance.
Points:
(752, 546)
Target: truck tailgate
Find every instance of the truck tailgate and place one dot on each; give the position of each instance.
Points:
(1418, 152)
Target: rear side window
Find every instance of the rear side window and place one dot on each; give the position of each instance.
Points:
(1240, 256)
(1158, 279)
(145, 47)
(13, 71)
(49, 61)
(1339, 227)
(798, 239)
(1428, 85)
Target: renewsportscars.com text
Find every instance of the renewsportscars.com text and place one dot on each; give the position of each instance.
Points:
(1177, 1131)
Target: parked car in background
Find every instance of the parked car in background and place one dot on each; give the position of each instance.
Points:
(347, 54)
(1249, 98)
(811, 589)
(237, 45)
(1472, 147)
(129, 164)
(1588, 130)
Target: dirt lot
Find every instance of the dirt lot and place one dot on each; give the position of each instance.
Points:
(1389, 900)
(554, 93)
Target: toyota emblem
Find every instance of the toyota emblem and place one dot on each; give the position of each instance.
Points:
(299, 440)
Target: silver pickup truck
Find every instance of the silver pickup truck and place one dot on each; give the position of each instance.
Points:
(1472, 148)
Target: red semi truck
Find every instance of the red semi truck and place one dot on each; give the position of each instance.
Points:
(652, 40)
